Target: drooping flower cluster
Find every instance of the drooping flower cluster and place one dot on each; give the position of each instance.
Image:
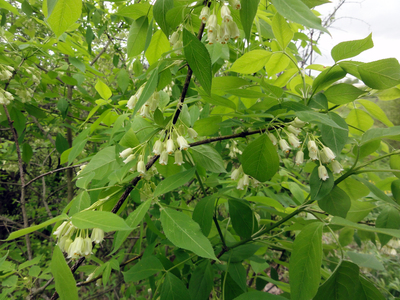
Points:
(5, 72)
(221, 33)
(243, 180)
(149, 106)
(233, 149)
(5, 97)
(176, 41)
(24, 94)
(76, 242)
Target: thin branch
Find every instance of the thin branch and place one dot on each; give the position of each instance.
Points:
(44, 131)
(51, 172)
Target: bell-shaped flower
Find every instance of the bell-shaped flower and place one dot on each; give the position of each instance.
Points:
(174, 38)
(226, 14)
(235, 4)
(126, 153)
(298, 123)
(312, 150)
(183, 144)
(97, 235)
(225, 33)
(178, 47)
(205, 14)
(234, 30)
(76, 247)
(293, 140)
(212, 23)
(235, 174)
(272, 138)
(299, 158)
(246, 180)
(164, 158)
(132, 102)
(129, 158)
(322, 173)
(240, 185)
(178, 158)
(170, 147)
(192, 133)
(158, 147)
(141, 167)
(294, 130)
(337, 167)
(87, 247)
(284, 146)
(329, 154)
(145, 111)
(212, 37)
(61, 229)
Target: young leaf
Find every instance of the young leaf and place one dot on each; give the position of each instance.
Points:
(247, 14)
(158, 45)
(208, 158)
(203, 213)
(104, 220)
(201, 282)
(342, 93)
(173, 182)
(305, 262)
(381, 74)
(198, 59)
(260, 159)
(160, 9)
(282, 31)
(80, 202)
(297, 11)
(185, 233)
(379, 133)
(336, 203)
(351, 48)
(251, 62)
(145, 268)
(63, 278)
(137, 36)
(243, 220)
(366, 260)
(375, 111)
(173, 289)
(63, 15)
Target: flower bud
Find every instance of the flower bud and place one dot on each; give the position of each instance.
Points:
(235, 174)
(272, 138)
(170, 147)
(284, 146)
(337, 167)
(298, 123)
(234, 30)
(192, 133)
(313, 150)
(226, 14)
(126, 153)
(178, 158)
(240, 185)
(158, 147)
(141, 167)
(246, 180)
(174, 38)
(299, 158)
(294, 141)
(212, 23)
(322, 173)
(129, 158)
(329, 154)
(132, 102)
(97, 235)
(164, 158)
(294, 130)
(183, 144)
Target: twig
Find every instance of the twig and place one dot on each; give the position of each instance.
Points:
(51, 172)
(44, 131)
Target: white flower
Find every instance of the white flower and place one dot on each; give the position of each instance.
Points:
(129, 158)
(240, 185)
(174, 38)
(272, 138)
(76, 247)
(322, 173)
(183, 144)
(132, 102)
(294, 130)
(235, 4)
(87, 247)
(8, 95)
(6, 74)
(141, 167)
(97, 235)
(178, 47)
(178, 158)
(192, 133)
(298, 123)
(212, 37)
(226, 14)
(61, 229)
(90, 277)
(313, 150)
(284, 146)
(145, 111)
(337, 167)
(299, 158)
(126, 153)
(67, 243)
(212, 23)
(153, 102)
(170, 147)
(234, 30)
(329, 153)
(235, 174)
(10, 68)
(158, 147)
(294, 141)
(246, 180)
(225, 33)
(324, 159)
(164, 158)
(205, 14)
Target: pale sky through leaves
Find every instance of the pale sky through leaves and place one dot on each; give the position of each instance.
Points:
(356, 20)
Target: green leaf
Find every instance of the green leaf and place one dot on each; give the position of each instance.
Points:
(297, 11)
(29, 263)
(137, 36)
(395, 187)
(129, 140)
(76, 150)
(173, 182)
(243, 219)
(62, 106)
(342, 93)
(376, 191)
(327, 77)
(203, 213)
(251, 62)
(198, 59)
(135, 11)
(185, 233)
(368, 291)
(77, 63)
(61, 143)
(104, 220)
(343, 222)
(64, 14)
(305, 262)
(282, 31)
(336, 203)
(381, 74)
(359, 121)
(132, 220)
(240, 253)
(201, 281)
(208, 126)
(379, 133)
(320, 188)
(158, 45)
(353, 188)
(9, 7)
(365, 260)
(260, 159)
(208, 158)
(313, 3)
(335, 137)
(27, 152)
(80, 202)
(277, 63)
(18, 119)
(148, 90)
(247, 14)
(394, 163)
(388, 218)
(256, 295)
(359, 210)
(160, 9)
(238, 274)
(218, 100)
(21, 232)
(173, 288)
(123, 80)
(63, 278)
(349, 49)
(145, 268)
(375, 111)
(103, 90)
(341, 285)
(101, 163)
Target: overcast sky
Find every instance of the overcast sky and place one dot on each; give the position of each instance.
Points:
(356, 19)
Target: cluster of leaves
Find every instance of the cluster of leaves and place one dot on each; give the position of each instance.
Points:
(187, 231)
